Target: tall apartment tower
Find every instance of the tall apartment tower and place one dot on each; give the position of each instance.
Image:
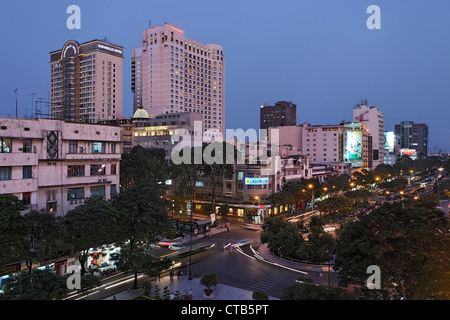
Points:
(373, 119)
(282, 114)
(413, 136)
(171, 73)
(86, 82)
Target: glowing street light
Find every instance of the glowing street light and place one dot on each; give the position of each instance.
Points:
(312, 193)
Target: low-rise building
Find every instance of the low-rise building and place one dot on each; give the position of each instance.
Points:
(54, 165)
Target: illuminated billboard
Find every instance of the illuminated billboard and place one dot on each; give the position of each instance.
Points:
(353, 145)
(256, 181)
(412, 153)
(389, 141)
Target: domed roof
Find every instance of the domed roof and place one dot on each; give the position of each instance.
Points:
(141, 113)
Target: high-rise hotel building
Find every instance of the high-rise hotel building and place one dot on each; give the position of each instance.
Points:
(86, 82)
(172, 73)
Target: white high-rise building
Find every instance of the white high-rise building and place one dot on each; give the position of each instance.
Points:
(372, 118)
(172, 73)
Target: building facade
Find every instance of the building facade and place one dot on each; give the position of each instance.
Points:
(86, 82)
(283, 113)
(413, 136)
(373, 119)
(160, 131)
(172, 73)
(54, 165)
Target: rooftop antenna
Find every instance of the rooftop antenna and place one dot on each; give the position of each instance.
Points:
(15, 91)
(32, 99)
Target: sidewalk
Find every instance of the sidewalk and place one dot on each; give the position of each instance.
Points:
(220, 292)
(265, 253)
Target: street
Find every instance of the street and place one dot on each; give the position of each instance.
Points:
(234, 266)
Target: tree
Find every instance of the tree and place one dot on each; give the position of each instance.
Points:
(218, 167)
(142, 218)
(12, 226)
(137, 261)
(209, 280)
(224, 209)
(188, 173)
(384, 171)
(364, 177)
(358, 195)
(143, 164)
(320, 244)
(90, 225)
(282, 237)
(41, 238)
(334, 205)
(338, 184)
(40, 285)
(408, 241)
(251, 213)
(305, 289)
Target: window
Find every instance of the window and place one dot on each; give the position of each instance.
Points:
(98, 191)
(98, 147)
(73, 146)
(75, 171)
(113, 147)
(113, 189)
(5, 173)
(98, 169)
(113, 169)
(75, 193)
(27, 172)
(27, 145)
(199, 184)
(5, 145)
(51, 195)
(26, 198)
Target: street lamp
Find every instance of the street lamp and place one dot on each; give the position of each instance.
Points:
(312, 193)
(437, 181)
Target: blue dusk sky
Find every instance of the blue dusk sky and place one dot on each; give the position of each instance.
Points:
(319, 54)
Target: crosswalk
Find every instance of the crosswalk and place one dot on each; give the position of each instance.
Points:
(267, 282)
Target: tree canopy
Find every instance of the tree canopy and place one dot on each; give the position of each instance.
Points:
(408, 241)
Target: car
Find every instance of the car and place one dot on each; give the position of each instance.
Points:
(242, 243)
(253, 227)
(176, 246)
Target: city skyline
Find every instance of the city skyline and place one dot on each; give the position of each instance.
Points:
(321, 56)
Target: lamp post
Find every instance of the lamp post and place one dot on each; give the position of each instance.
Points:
(312, 193)
(437, 180)
(377, 180)
(411, 172)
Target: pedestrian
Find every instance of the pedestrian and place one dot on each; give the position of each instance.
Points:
(179, 274)
(171, 274)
